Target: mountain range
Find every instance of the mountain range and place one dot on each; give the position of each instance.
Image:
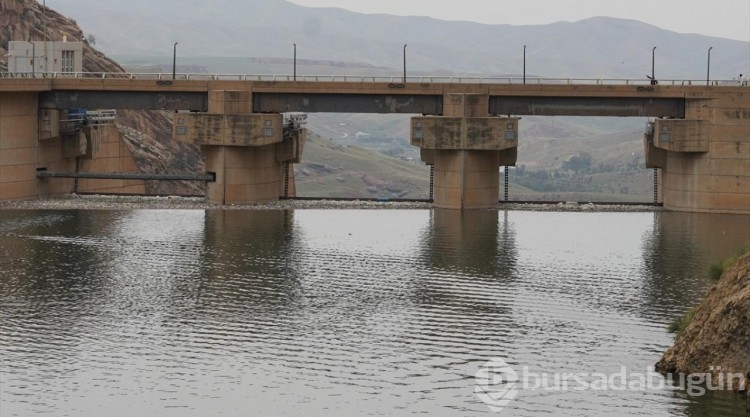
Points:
(600, 47)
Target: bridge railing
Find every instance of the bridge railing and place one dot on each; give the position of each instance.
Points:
(395, 80)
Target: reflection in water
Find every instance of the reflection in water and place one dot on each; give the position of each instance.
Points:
(470, 242)
(677, 252)
(465, 251)
(249, 258)
(192, 313)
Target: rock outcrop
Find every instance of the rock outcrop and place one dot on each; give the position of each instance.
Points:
(147, 133)
(718, 335)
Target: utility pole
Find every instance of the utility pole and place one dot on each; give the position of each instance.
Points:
(404, 63)
(33, 59)
(44, 25)
(524, 64)
(174, 61)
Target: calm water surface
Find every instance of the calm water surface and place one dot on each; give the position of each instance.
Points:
(343, 313)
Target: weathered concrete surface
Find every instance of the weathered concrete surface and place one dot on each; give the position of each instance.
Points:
(23, 151)
(244, 174)
(676, 135)
(93, 149)
(466, 147)
(707, 166)
(470, 133)
(716, 340)
(18, 145)
(107, 152)
(247, 152)
(466, 179)
(228, 129)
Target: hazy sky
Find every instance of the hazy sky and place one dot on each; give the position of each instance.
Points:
(722, 18)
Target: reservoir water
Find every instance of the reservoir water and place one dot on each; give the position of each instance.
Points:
(345, 312)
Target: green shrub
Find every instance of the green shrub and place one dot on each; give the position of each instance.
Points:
(679, 324)
(715, 271)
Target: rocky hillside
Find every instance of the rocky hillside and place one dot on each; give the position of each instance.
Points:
(147, 133)
(718, 335)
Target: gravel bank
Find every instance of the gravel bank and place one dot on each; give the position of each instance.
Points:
(102, 202)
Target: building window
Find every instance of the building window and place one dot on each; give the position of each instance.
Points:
(67, 61)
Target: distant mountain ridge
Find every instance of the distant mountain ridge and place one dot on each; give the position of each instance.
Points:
(600, 47)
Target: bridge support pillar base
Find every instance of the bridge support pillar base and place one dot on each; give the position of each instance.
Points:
(466, 179)
(244, 174)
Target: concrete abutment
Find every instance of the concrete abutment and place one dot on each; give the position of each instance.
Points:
(705, 158)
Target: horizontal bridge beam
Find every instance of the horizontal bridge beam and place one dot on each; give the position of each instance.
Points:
(126, 100)
(588, 106)
(347, 103)
(425, 104)
(126, 176)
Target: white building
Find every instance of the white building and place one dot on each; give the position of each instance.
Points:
(39, 57)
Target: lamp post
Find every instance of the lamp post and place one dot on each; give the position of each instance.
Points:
(33, 59)
(174, 61)
(524, 64)
(295, 62)
(44, 23)
(653, 60)
(708, 67)
(404, 63)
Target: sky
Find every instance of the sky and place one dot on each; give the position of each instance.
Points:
(721, 18)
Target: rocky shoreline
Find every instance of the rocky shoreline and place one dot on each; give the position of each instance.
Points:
(715, 341)
(111, 202)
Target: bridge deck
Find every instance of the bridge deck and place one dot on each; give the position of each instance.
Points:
(621, 99)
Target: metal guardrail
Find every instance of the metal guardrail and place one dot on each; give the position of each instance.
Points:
(426, 79)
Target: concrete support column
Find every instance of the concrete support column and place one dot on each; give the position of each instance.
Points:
(19, 146)
(466, 149)
(246, 152)
(466, 179)
(243, 174)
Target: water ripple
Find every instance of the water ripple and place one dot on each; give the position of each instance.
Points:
(343, 313)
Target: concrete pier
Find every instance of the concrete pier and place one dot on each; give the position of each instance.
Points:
(466, 147)
(245, 151)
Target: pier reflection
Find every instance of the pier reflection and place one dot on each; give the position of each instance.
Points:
(464, 250)
(249, 257)
(470, 242)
